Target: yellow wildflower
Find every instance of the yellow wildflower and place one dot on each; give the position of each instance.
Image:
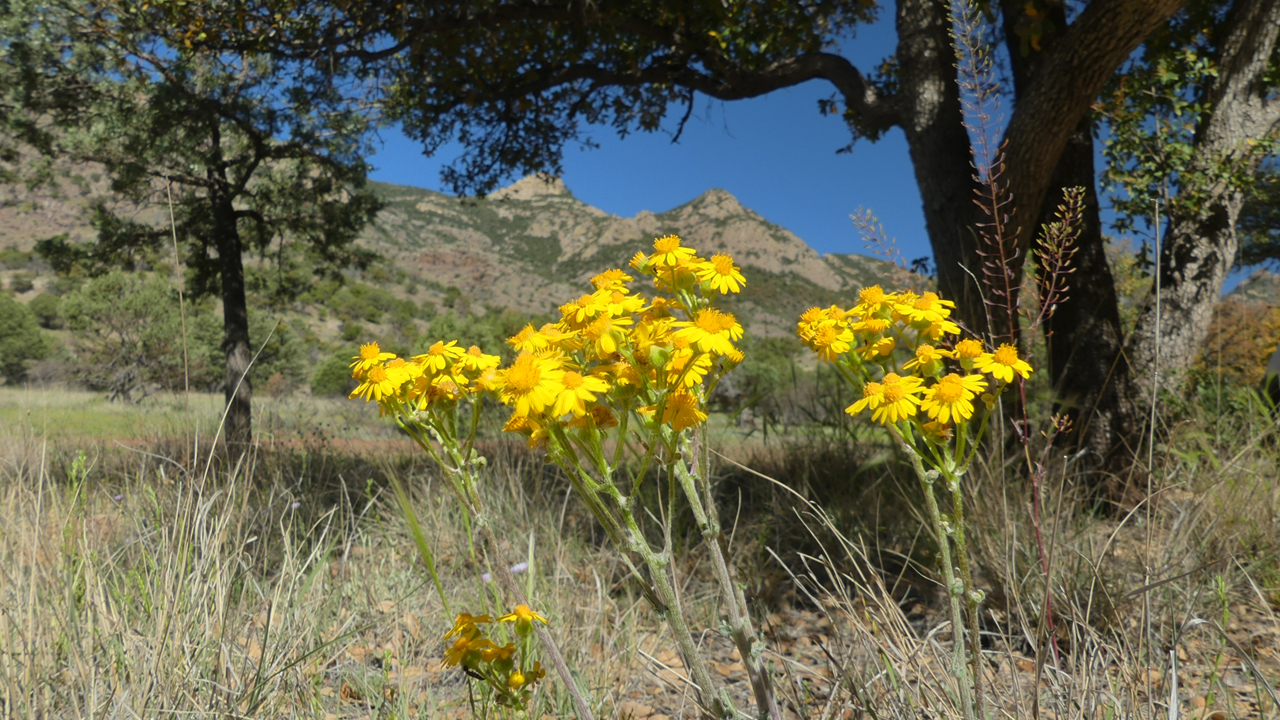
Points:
(578, 391)
(668, 251)
(874, 301)
(532, 383)
(523, 618)
(892, 399)
(880, 348)
(438, 356)
(1003, 364)
(527, 340)
(950, 399)
(928, 359)
(682, 411)
(927, 308)
(465, 625)
(379, 382)
(711, 331)
(605, 334)
(722, 274)
(831, 341)
(370, 355)
(967, 351)
(611, 279)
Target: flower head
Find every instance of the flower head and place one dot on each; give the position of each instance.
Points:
(465, 625)
(668, 251)
(721, 274)
(439, 356)
(579, 391)
(523, 618)
(380, 382)
(950, 399)
(682, 411)
(370, 355)
(532, 383)
(892, 399)
(1003, 364)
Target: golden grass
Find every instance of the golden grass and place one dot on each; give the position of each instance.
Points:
(154, 584)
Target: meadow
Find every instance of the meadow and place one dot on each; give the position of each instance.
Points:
(144, 576)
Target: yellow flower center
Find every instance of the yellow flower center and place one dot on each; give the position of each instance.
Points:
(893, 389)
(872, 389)
(1006, 355)
(710, 320)
(474, 351)
(524, 374)
(968, 349)
(666, 244)
(377, 374)
(926, 301)
(925, 353)
(726, 321)
(949, 390)
(572, 380)
(395, 363)
(871, 295)
(438, 349)
(723, 264)
(370, 351)
(825, 336)
(597, 329)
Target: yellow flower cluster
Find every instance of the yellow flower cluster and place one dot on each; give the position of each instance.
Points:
(886, 327)
(444, 371)
(614, 348)
(496, 664)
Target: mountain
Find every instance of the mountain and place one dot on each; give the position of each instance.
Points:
(533, 245)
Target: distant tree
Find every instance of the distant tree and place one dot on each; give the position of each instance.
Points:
(257, 153)
(20, 339)
(45, 307)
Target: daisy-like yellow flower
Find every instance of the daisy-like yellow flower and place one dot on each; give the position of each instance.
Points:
(967, 351)
(639, 262)
(892, 399)
(527, 340)
(722, 274)
(878, 349)
(380, 382)
(951, 398)
(711, 331)
(465, 652)
(682, 411)
(605, 334)
(618, 302)
(928, 359)
(611, 279)
(831, 341)
(874, 301)
(600, 416)
(475, 360)
(465, 625)
(532, 383)
(439, 356)
(935, 331)
(1003, 364)
(499, 655)
(523, 618)
(370, 355)
(582, 311)
(873, 326)
(687, 368)
(668, 251)
(533, 431)
(579, 390)
(927, 308)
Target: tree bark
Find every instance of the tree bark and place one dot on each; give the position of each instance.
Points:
(1083, 334)
(237, 387)
(1200, 245)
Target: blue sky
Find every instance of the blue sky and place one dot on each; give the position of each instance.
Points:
(776, 154)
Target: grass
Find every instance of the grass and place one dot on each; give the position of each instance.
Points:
(154, 582)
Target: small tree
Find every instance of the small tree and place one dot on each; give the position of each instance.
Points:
(20, 339)
(257, 155)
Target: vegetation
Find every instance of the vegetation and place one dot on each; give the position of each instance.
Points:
(20, 339)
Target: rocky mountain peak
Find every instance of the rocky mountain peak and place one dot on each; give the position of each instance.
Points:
(531, 187)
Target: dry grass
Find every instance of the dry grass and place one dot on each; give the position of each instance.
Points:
(157, 584)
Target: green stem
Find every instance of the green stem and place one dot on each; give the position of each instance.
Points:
(958, 665)
(973, 598)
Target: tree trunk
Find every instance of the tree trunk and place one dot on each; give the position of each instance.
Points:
(939, 145)
(1200, 245)
(238, 429)
(1084, 338)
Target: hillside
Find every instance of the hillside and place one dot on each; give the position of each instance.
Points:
(533, 245)
(528, 247)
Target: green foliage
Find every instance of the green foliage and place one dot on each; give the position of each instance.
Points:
(21, 282)
(13, 258)
(333, 376)
(1259, 224)
(45, 308)
(20, 339)
(489, 332)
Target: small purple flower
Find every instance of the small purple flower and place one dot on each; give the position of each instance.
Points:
(117, 498)
(519, 568)
(295, 505)
(486, 577)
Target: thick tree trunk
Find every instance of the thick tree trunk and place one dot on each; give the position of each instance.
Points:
(939, 145)
(238, 429)
(1085, 341)
(1200, 246)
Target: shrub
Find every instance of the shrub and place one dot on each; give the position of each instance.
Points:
(20, 283)
(333, 376)
(21, 341)
(45, 308)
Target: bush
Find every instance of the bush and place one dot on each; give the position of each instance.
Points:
(20, 283)
(333, 376)
(45, 307)
(21, 341)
